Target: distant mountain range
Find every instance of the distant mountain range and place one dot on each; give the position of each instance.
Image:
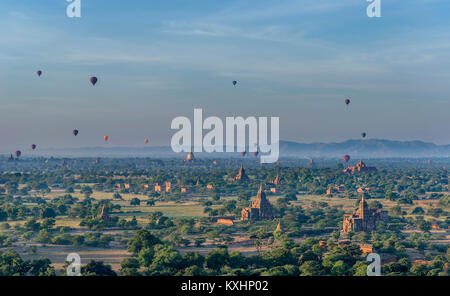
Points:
(370, 148)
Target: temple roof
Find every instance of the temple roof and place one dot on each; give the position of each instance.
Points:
(260, 198)
(279, 226)
(277, 180)
(241, 175)
(363, 207)
(190, 156)
(360, 164)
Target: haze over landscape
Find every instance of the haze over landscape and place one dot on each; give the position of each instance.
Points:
(294, 59)
(370, 148)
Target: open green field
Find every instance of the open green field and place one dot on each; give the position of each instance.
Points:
(172, 210)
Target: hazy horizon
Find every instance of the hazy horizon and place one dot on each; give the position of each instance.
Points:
(357, 148)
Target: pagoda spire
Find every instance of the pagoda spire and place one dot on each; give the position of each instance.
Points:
(241, 176)
(363, 206)
(279, 226)
(261, 196)
(277, 180)
(190, 157)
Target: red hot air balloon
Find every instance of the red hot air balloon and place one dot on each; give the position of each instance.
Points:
(39, 73)
(106, 138)
(93, 80)
(75, 132)
(18, 153)
(33, 146)
(347, 101)
(346, 158)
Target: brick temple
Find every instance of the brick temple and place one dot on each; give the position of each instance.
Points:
(360, 167)
(364, 219)
(190, 157)
(241, 176)
(259, 209)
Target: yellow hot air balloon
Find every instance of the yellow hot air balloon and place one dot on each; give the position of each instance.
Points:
(146, 141)
(106, 138)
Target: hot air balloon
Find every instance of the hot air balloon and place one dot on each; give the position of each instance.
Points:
(347, 101)
(346, 158)
(18, 153)
(363, 135)
(93, 80)
(33, 146)
(234, 82)
(39, 73)
(106, 138)
(75, 132)
(146, 141)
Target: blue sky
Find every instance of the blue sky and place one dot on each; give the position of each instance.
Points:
(156, 60)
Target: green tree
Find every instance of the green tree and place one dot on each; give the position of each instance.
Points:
(97, 268)
(360, 268)
(87, 191)
(310, 268)
(129, 267)
(145, 257)
(32, 224)
(218, 258)
(42, 267)
(418, 211)
(135, 201)
(44, 237)
(3, 215)
(48, 223)
(48, 213)
(143, 239)
(339, 268)
(11, 264)
(117, 196)
(191, 259)
(395, 211)
(194, 271)
(167, 260)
